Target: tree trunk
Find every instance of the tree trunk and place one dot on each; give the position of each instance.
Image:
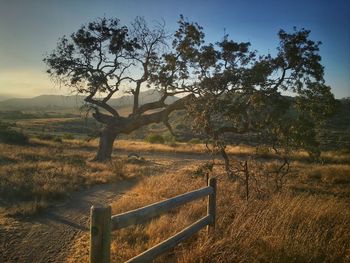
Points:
(105, 146)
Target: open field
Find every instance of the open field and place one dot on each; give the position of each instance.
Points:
(307, 221)
(37, 175)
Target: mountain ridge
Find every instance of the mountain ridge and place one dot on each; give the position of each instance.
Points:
(47, 101)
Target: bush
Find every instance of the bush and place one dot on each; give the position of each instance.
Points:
(8, 135)
(68, 136)
(57, 139)
(168, 137)
(155, 138)
(195, 141)
(45, 137)
(263, 151)
(49, 137)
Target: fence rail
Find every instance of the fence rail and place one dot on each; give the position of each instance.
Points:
(102, 223)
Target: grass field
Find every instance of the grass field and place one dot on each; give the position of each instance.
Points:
(37, 175)
(307, 221)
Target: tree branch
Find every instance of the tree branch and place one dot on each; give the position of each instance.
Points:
(127, 125)
(101, 104)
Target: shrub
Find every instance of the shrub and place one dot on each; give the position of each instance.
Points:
(155, 138)
(195, 141)
(45, 136)
(263, 151)
(68, 136)
(49, 137)
(168, 137)
(8, 135)
(57, 139)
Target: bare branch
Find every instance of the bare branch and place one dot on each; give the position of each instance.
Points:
(102, 104)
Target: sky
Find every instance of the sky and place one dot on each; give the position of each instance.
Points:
(29, 29)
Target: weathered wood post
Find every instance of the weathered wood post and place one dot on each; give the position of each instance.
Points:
(211, 207)
(100, 234)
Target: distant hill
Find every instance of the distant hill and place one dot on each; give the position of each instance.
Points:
(52, 102)
(5, 97)
(42, 102)
(145, 97)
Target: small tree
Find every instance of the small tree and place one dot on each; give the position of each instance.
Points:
(240, 92)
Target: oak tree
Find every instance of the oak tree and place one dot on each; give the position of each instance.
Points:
(226, 86)
(104, 56)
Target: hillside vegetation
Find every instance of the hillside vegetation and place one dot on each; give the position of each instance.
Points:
(59, 102)
(335, 133)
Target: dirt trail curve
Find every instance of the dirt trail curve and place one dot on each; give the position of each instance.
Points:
(48, 238)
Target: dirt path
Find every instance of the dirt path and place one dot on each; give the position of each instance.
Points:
(47, 238)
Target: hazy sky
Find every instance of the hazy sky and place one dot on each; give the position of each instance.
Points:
(31, 28)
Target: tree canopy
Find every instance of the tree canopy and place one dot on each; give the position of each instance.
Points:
(227, 86)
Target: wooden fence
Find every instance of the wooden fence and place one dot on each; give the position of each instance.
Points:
(102, 223)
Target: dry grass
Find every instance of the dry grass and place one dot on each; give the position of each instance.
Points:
(327, 157)
(178, 147)
(33, 177)
(284, 227)
(308, 222)
(327, 179)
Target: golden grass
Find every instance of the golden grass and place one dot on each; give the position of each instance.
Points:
(41, 173)
(178, 147)
(327, 157)
(327, 179)
(284, 227)
(43, 121)
(308, 222)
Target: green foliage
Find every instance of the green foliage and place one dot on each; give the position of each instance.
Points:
(318, 102)
(11, 136)
(240, 93)
(155, 138)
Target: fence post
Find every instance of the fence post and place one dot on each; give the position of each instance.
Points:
(211, 207)
(100, 234)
